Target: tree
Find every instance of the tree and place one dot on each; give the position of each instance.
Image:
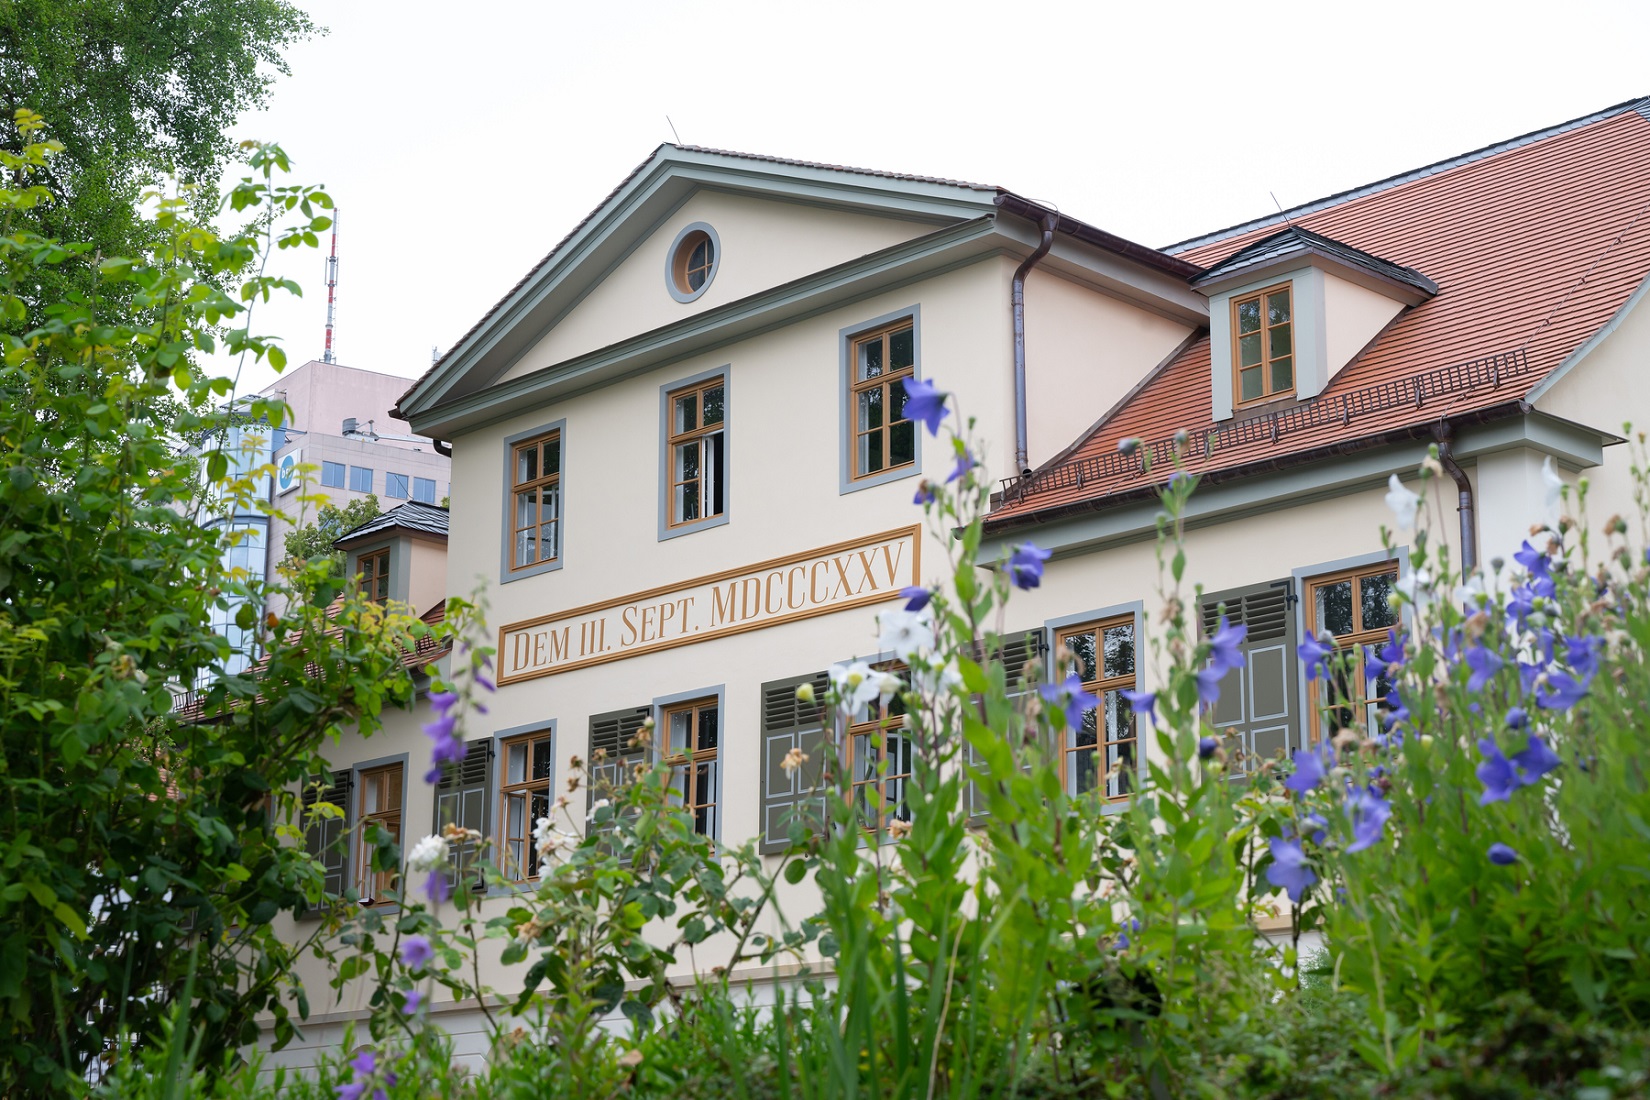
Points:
(314, 542)
(135, 91)
(147, 847)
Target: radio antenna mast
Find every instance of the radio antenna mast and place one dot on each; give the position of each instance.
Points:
(327, 355)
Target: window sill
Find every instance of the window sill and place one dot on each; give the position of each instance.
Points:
(530, 571)
(668, 531)
(898, 473)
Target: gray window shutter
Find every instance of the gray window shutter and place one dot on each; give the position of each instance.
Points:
(461, 799)
(1015, 652)
(327, 840)
(1259, 711)
(788, 723)
(614, 734)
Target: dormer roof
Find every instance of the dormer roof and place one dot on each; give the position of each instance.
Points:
(1539, 243)
(1290, 247)
(413, 516)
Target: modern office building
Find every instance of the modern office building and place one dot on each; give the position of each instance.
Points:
(341, 424)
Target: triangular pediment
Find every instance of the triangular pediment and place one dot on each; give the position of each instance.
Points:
(776, 221)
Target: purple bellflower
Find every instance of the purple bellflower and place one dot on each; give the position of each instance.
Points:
(1517, 718)
(410, 1004)
(925, 492)
(1224, 652)
(1142, 702)
(416, 952)
(1582, 652)
(1308, 771)
(1368, 811)
(1123, 930)
(1484, 664)
(1561, 691)
(1534, 761)
(965, 463)
(1289, 869)
(1392, 653)
(916, 597)
(1532, 559)
(1025, 566)
(1208, 684)
(925, 402)
(1501, 855)
(1070, 698)
(437, 888)
(1496, 773)
(1206, 747)
(1314, 653)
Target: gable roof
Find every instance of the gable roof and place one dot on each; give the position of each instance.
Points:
(1298, 241)
(1535, 244)
(672, 171)
(413, 515)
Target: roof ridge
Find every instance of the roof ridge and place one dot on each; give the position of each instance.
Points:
(822, 165)
(1639, 104)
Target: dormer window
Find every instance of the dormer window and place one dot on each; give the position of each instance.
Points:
(1265, 351)
(1290, 311)
(374, 568)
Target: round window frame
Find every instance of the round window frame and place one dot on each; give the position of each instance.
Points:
(674, 259)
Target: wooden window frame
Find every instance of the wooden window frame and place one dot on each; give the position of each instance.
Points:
(1354, 641)
(1066, 748)
(374, 569)
(885, 382)
(885, 717)
(540, 483)
(697, 802)
(699, 435)
(1266, 356)
(523, 869)
(683, 268)
(374, 885)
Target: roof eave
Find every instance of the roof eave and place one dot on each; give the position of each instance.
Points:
(1023, 207)
(1340, 448)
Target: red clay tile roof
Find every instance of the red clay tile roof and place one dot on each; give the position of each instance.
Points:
(1535, 245)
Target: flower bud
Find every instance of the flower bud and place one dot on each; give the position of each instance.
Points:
(805, 693)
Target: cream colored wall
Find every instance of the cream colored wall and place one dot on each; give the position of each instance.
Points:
(764, 244)
(427, 581)
(1084, 351)
(1609, 389)
(1353, 316)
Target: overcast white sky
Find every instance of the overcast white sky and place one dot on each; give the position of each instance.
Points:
(462, 140)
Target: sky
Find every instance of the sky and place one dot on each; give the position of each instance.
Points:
(462, 141)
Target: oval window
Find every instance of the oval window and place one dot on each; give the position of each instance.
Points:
(693, 259)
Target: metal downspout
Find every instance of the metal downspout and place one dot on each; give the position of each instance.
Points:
(1017, 301)
(445, 450)
(1469, 534)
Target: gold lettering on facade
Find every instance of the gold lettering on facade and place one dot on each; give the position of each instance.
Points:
(818, 582)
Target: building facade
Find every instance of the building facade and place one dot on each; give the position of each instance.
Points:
(682, 467)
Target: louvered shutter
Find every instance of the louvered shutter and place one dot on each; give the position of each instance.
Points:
(788, 723)
(1258, 711)
(461, 799)
(325, 839)
(614, 735)
(1015, 652)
